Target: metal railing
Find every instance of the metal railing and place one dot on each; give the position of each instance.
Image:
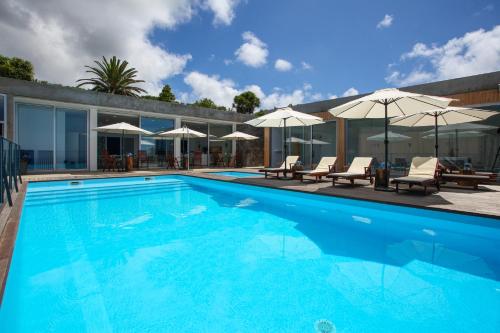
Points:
(10, 157)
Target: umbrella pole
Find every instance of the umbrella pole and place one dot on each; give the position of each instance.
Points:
(188, 154)
(436, 145)
(284, 142)
(386, 143)
(122, 152)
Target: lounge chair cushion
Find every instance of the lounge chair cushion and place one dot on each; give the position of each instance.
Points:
(346, 174)
(414, 179)
(323, 166)
(359, 164)
(423, 167)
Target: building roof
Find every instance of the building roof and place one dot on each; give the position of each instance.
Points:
(466, 84)
(52, 92)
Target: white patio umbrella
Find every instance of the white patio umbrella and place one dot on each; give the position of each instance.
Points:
(318, 142)
(442, 117)
(239, 136)
(393, 136)
(388, 103)
(184, 132)
(284, 117)
(294, 139)
(122, 128)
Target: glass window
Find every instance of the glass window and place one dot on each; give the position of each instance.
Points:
(324, 142)
(3, 107)
(35, 135)
(198, 148)
(220, 150)
(3, 110)
(155, 149)
(71, 139)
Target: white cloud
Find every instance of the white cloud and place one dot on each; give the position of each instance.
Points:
(253, 52)
(60, 37)
(306, 66)
(222, 92)
(223, 10)
(332, 96)
(350, 92)
(474, 53)
(282, 65)
(386, 22)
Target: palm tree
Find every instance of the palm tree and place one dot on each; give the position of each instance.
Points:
(114, 77)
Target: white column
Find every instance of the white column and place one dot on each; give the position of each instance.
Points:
(233, 147)
(93, 140)
(177, 141)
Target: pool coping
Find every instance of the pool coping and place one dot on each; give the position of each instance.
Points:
(8, 234)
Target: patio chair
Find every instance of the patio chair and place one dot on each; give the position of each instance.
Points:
(325, 166)
(143, 159)
(423, 172)
(285, 167)
(360, 168)
(108, 162)
(172, 162)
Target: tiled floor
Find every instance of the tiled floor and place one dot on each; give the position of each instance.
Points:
(485, 201)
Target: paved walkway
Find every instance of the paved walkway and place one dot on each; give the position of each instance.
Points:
(485, 200)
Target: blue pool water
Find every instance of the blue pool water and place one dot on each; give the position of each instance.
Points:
(237, 174)
(183, 254)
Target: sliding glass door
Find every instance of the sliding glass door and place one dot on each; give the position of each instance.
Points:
(52, 138)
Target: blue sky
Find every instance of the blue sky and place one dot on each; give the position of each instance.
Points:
(219, 48)
(339, 39)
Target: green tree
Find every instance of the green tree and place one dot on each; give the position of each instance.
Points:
(246, 102)
(206, 103)
(16, 68)
(113, 76)
(166, 94)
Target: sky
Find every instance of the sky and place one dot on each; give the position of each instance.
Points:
(285, 51)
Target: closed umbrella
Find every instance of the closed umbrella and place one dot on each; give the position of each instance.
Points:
(284, 117)
(122, 128)
(442, 117)
(184, 132)
(388, 103)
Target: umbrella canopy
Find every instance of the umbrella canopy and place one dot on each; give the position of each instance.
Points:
(122, 128)
(387, 103)
(294, 139)
(184, 132)
(442, 117)
(284, 117)
(464, 134)
(318, 142)
(463, 127)
(393, 136)
(239, 136)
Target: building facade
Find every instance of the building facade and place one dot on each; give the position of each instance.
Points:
(54, 126)
(469, 145)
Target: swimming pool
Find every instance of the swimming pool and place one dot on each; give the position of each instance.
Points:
(237, 174)
(184, 254)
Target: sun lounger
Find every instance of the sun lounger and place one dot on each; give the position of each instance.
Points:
(423, 172)
(360, 168)
(466, 180)
(325, 166)
(284, 168)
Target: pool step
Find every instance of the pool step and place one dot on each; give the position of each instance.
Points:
(93, 193)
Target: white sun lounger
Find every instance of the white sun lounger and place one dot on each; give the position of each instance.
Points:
(284, 168)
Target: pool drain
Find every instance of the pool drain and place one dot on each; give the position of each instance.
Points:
(324, 326)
